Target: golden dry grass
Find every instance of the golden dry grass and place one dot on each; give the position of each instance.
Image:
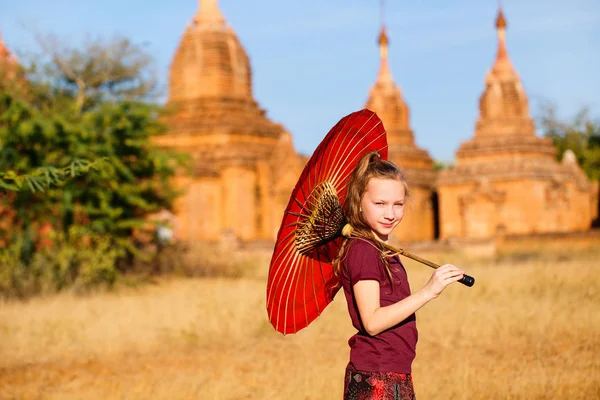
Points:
(528, 329)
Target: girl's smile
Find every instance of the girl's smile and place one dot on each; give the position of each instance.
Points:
(382, 206)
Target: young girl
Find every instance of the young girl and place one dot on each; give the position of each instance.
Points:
(375, 284)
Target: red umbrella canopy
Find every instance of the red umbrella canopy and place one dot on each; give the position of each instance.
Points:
(301, 280)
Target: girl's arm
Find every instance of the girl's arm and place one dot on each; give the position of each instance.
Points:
(377, 319)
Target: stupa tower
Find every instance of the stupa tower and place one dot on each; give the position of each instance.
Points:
(385, 99)
(506, 179)
(236, 188)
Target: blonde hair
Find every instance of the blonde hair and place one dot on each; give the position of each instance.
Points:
(370, 166)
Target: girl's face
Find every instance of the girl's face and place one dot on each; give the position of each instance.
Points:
(382, 206)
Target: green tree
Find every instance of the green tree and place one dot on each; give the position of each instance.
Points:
(44, 177)
(86, 104)
(581, 135)
(96, 72)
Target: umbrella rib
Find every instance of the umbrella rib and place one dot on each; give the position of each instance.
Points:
(285, 252)
(289, 272)
(337, 145)
(295, 214)
(304, 262)
(313, 286)
(290, 225)
(354, 141)
(340, 164)
(304, 298)
(316, 171)
(284, 240)
(309, 175)
(334, 139)
(344, 166)
(285, 249)
(349, 136)
(302, 206)
(272, 301)
(305, 197)
(343, 172)
(294, 281)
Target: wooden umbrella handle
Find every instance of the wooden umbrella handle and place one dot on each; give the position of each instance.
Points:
(465, 280)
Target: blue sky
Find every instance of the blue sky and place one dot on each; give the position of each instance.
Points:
(314, 61)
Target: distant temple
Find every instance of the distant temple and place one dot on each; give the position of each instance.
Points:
(244, 165)
(506, 179)
(386, 100)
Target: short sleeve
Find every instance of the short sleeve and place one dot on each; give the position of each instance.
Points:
(363, 262)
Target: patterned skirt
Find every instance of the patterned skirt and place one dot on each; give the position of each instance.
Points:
(363, 385)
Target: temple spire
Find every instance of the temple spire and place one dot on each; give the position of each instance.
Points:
(503, 106)
(502, 68)
(209, 13)
(385, 73)
(501, 28)
(385, 97)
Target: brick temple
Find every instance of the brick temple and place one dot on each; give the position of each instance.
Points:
(386, 100)
(244, 164)
(506, 179)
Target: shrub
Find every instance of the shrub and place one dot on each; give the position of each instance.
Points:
(76, 260)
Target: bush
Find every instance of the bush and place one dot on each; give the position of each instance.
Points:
(78, 261)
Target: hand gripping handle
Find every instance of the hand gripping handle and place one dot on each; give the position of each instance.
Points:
(467, 280)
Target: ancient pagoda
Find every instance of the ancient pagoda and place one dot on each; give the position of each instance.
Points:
(386, 100)
(244, 165)
(506, 179)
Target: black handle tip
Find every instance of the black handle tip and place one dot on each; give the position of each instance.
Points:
(467, 280)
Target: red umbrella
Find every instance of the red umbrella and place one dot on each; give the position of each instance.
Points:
(301, 281)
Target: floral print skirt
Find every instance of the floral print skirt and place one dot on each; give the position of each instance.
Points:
(363, 385)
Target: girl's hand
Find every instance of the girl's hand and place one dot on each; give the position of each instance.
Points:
(442, 277)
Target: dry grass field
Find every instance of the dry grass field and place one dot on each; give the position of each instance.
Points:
(528, 329)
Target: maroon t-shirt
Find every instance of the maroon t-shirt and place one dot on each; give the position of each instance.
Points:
(392, 350)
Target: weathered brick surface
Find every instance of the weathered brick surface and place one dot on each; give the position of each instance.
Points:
(244, 165)
(506, 179)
